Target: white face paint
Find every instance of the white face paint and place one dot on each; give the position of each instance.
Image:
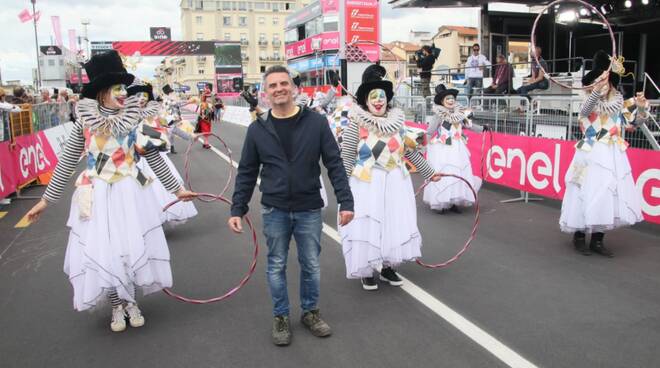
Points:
(377, 102)
(449, 102)
(143, 98)
(114, 98)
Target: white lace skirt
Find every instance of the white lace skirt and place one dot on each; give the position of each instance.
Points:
(122, 244)
(450, 159)
(384, 230)
(600, 192)
(180, 212)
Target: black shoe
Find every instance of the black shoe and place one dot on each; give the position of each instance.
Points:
(312, 320)
(369, 283)
(598, 247)
(207, 146)
(455, 209)
(387, 274)
(281, 331)
(581, 245)
(173, 151)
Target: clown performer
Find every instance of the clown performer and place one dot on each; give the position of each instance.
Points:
(600, 192)
(171, 110)
(116, 243)
(205, 115)
(384, 231)
(448, 153)
(157, 126)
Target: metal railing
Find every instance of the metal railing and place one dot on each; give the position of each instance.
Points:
(34, 118)
(502, 114)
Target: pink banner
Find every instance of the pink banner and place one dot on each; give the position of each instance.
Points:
(329, 6)
(57, 30)
(72, 41)
(322, 42)
(539, 165)
(32, 156)
(25, 16)
(7, 177)
(363, 24)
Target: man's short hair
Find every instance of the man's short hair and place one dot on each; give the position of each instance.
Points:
(501, 56)
(476, 44)
(276, 69)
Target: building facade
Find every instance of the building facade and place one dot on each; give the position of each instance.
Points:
(456, 44)
(257, 25)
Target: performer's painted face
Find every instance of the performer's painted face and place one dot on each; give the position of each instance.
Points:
(449, 102)
(115, 96)
(143, 98)
(377, 102)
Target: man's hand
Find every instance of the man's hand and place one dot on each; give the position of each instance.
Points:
(235, 224)
(185, 195)
(641, 101)
(345, 217)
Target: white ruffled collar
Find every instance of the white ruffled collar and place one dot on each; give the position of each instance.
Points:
(609, 104)
(388, 124)
(455, 115)
(108, 121)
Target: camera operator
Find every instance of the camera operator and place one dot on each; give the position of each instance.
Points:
(425, 60)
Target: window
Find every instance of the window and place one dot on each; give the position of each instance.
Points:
(276, 21)
(259, 6)
(276, 55)
(242, 5)
(243, 55)
(243, 36)
(242, 21)
(262, 55)
(41, 62)
(198, 19)
(199, 37)
(276, 37)
(199, 4)
(226, 20)
(262, 20)
(200, 71)
(262, 69)
(61, 62)
(227, 36)
(276, 7)
(262, 37)
(51, 62)
(226, 5)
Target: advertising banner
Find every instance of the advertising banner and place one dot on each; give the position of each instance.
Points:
(165, 48)
(321, 42)
(50, 50)
(539, 165)
(160, 33)
(228, 68)
(7, 176)
(362, 24)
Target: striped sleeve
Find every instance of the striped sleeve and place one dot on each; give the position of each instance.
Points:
(161, 170)
(590, 104)
(66, 164)
(420, 163)
(349, 145)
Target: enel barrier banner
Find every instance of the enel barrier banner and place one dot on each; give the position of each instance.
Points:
(539, 165)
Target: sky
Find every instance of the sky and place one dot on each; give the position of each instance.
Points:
(129, 20)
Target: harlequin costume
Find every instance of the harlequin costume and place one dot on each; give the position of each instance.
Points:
(447, 153)
(384, 232)
(205, 117)
(600, 191)
(155, 118)
(116, 243)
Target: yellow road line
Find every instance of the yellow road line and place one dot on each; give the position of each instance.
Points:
(3, 214)
(23, 223)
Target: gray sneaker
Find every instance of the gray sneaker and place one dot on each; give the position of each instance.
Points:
(316, 325)
(281, 331)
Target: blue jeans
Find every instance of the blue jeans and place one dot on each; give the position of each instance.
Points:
(305, 226)
(472, 83)
(524, 90)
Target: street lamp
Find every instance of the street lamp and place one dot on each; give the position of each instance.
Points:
(85, 22)
(36, 42)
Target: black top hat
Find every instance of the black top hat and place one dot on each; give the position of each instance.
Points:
(105, 70)
(372, 78)
(167, 89)
(441, 92)
(601, 63)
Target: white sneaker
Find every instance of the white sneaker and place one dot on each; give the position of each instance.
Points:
(135, 317)
(118, 323)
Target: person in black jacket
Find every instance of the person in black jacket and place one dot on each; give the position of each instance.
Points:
(425, 61)
(284, 146)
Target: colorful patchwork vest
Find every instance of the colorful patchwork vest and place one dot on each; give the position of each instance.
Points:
(451, 127)
(605, 127)
(383, 148)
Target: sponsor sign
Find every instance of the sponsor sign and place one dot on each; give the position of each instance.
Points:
(322, 42)
(160, 34)
(50, 50)
(362, 24)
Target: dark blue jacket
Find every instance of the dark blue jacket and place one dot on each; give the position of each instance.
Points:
(290, 185)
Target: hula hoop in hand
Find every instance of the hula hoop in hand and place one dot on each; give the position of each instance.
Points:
(244, 279)
(594, 10)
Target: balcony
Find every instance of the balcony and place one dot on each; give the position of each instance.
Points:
(271, 59)
(244, 42)
(277, 43)
(263, 43)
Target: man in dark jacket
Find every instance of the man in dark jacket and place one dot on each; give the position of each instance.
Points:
(425, 61)
(284, 146)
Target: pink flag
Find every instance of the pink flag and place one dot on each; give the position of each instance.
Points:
(57, 30)
(72, 41)
(25, 16)
(37, 15)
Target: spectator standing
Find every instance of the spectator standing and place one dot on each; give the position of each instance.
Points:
(425, 61)
(474, 69)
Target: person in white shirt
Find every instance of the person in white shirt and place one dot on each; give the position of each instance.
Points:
(474, 69)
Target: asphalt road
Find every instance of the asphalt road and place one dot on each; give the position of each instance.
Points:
(521, 282)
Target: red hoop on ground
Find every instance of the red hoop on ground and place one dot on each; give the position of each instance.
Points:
(246, 277)
(594, 10)
(187, 165)
(473, 234)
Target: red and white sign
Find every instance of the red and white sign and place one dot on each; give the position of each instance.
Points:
(362, 24)
(322, 42)
(539, 165)
(7, 176)
(329, 6)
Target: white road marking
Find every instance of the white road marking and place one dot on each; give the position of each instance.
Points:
(469, 329)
